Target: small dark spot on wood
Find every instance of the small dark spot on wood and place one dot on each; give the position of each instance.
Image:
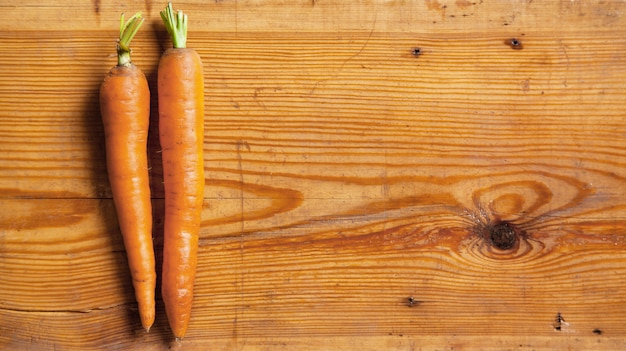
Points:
(515, 44)
(411, 301)
(597, 331)
(558, 321)
(416, 52)
(502, 235)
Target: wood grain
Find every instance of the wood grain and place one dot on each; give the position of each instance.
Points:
(354, 188)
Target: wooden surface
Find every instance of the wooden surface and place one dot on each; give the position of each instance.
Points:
(354, 189)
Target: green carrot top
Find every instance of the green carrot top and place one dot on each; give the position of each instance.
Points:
(176, 26)
(128, 30)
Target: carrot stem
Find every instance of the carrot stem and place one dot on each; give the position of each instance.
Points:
(176, 26)
(128, 30)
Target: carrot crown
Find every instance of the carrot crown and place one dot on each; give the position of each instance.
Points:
(176, 26)
(127, 33)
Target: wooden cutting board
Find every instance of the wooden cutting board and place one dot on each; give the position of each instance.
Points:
(381, 175)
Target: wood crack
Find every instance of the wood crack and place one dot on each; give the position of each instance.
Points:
(64, 311)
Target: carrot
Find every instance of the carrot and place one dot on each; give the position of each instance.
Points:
(181, 129)
(125, 109)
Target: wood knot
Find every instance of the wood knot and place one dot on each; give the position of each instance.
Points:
(502, 236)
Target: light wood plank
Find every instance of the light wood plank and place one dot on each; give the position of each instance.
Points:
(340, 101)
(329, 16)
(310, 280)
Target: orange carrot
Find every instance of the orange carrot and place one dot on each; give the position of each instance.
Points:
(125, 109)
(181, 128)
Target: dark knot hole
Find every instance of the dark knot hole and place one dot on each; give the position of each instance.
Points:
(502, 236)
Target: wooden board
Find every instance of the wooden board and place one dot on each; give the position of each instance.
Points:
(361, 195)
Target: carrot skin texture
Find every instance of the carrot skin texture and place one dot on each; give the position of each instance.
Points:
(181, 129)
(125, 110)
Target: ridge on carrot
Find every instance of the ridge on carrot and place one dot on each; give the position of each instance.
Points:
(125, 110)
(181, 133)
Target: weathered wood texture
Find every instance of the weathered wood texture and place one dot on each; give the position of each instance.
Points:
(358, 196)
